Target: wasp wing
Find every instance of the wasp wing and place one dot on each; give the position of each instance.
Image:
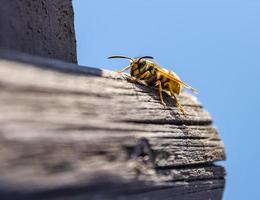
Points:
(171, 77)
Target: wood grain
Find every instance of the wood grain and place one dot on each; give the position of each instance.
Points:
(71, 132)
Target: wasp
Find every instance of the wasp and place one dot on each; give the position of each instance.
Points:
(152, 74)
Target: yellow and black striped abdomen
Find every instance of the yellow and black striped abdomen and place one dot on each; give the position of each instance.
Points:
(176, 87)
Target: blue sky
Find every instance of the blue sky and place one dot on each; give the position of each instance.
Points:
(213, 45)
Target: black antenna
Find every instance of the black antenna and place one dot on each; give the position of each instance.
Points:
(150, 57)
(120, 57)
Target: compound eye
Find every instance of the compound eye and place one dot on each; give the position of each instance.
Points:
(141, 63)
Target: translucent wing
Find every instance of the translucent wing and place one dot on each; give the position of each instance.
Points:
(171, 77)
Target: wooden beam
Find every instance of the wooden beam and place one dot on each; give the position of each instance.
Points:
(71, 132)
(44, 28)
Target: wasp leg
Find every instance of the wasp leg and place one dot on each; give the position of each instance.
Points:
(124, 69)
(142, 76)
(159, 84)
(179, 106)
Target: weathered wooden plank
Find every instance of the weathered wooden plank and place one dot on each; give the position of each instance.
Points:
(43, 27)
(68, 134)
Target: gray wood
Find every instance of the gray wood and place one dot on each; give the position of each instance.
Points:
(71, 132)
(44, 28)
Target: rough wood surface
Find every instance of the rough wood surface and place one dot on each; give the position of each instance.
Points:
(71, 132)
(43, 27)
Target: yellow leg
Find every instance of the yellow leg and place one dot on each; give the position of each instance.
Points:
(124, 69)
(159, 84)
(142, 76)
(178, 104)
(138, 78)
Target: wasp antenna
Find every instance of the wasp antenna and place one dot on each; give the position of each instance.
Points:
(150, 57)
(120, 57)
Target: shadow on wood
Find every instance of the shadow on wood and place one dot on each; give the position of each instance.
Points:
(71, 132)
